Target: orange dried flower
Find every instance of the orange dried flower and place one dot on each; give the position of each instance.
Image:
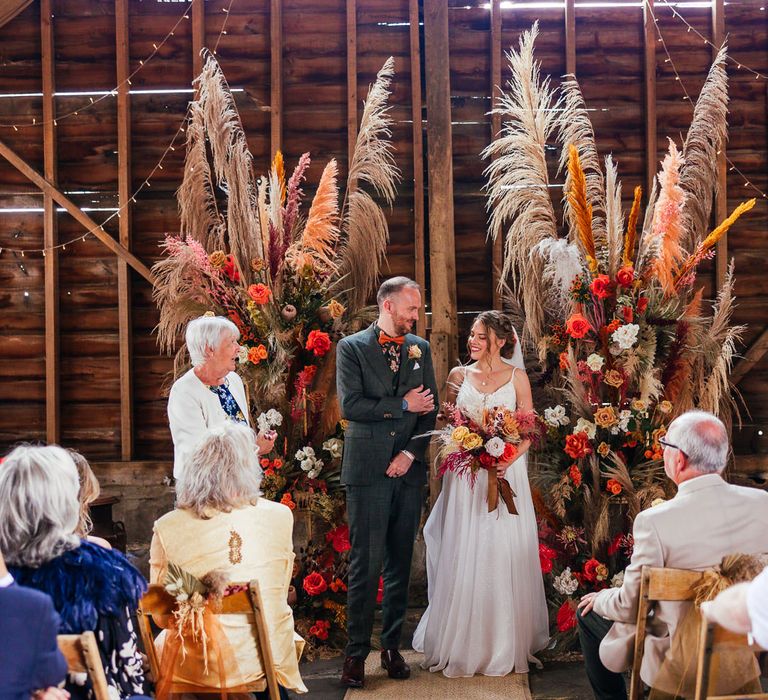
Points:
(613, 486)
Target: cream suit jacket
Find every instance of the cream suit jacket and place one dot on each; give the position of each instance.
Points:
(706, 520)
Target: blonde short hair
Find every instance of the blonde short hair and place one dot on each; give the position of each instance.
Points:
(88, 493)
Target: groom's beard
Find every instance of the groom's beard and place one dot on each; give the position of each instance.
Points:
(403, 325)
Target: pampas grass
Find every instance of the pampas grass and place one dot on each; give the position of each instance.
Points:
(581, 209)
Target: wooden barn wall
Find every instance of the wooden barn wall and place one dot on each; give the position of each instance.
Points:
(312, 107)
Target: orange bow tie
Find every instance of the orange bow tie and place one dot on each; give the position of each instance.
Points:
(384, 339)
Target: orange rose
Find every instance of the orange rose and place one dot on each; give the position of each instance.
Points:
(218, 258)
(613, 378)
(625, 276)
(318, 342)
(577, 326)
(605, 417)
(601, 286)
(286, 500)
(613, 486)
(577, 445)
(613, 325)
(257, 354)
(260, 293)
(603, 449)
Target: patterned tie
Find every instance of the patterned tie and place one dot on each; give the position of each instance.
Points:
(391, 348)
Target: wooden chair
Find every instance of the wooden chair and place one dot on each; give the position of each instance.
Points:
(657, 584)
(710, 637)
(157, 604)
(82, 655)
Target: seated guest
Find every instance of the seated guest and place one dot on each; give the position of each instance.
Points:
(706, 520)
(30, 660)
(211, 393)
(89, 492)
(92, 588)
(221, 524)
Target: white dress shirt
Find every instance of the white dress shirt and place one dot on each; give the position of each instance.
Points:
(6, 581)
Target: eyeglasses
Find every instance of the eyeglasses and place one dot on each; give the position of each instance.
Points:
(664, 443)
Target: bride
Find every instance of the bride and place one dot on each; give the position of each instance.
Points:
(487, 612)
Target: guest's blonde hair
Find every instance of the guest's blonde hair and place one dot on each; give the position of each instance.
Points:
(222, 473)
(89, 492)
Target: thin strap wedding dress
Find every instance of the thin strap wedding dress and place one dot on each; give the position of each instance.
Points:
(487, 611)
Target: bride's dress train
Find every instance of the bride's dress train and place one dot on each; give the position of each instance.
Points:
(487, 611)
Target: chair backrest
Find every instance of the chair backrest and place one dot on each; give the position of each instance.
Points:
(657, 584)
(158, 605)
(82, 655)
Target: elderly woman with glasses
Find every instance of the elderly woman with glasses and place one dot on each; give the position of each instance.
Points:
(222, 525)
(92, 588)
(211, 393)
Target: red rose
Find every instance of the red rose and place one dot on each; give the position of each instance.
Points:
(625, 276)
(509, 452)
(577, 445)
(642, 304)
(260, 293)
(339, 538)
(601, 286)
(577, 326)
(546, 555)
(566, 616)
(230, 269)
(626, 312)
(486, 460)
(314, 584)
(589, 571)
(318, 342)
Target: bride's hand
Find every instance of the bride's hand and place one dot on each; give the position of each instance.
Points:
(501, 468)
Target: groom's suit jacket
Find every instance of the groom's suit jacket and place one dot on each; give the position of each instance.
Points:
(371, 399)
(705, 521)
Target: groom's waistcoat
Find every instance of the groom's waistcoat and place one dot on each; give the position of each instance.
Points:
(371, 398)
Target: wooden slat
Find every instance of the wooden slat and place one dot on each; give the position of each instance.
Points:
(124, 223)
(651, 138)
(351, 81)
(755, 353)
(442, 256)
(496, 58)
(721, 195)
(78, 214)
(276, 73)
(570, 37)
(420, 263)
(52, 364)
(198, 36)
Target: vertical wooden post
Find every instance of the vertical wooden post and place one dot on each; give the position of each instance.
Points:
(51, 264)
(124, 223)
(651, 145)
(496, 57)
(570, 37)
(721, 195)
(442, 249)
(198, 36)
(351, 81)
(276, 75)
(419, 250)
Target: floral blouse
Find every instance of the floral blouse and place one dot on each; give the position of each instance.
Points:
(228, 402)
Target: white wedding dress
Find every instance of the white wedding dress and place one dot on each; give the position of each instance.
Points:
(487, 611)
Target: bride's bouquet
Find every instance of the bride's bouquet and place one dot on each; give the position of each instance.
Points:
(467, 447)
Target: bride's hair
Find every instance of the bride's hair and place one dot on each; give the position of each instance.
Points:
(502, 327)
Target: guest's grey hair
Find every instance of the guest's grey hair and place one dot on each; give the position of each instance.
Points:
(39, 509)
(205, 334)
(703, 438)
(222, 473)
(393, 286)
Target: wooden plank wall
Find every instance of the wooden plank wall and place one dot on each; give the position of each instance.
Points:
(293, 88)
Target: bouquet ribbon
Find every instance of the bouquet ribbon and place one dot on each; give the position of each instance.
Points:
(498, 486)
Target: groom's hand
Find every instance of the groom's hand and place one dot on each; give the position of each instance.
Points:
(399, 465)
(420, 400)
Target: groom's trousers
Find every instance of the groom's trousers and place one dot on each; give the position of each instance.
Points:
(383, 521)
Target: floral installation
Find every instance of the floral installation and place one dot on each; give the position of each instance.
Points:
(294, 278)
(625, 340)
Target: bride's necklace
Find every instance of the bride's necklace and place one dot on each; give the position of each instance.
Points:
(485, 377)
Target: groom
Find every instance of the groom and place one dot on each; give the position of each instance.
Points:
(387, 392)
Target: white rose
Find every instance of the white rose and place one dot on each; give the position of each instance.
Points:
(495, 447)
(274, 417)
(333, 446)
(595, 362)
(626, 336)
(263, 423)
(307, 464)
(242, 355)
(305, 453)
(585, 426)
(556, 416)
(312, 474)
(566, 583)
(618, 580)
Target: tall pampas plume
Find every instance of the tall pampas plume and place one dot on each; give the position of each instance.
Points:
(631, 235)
(668, 225)
(614, 218)
(365, 232)
(316, 246)
(581, 208)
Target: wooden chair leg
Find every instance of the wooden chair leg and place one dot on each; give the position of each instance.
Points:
(704, 661)
(636, 684)
(263, 639)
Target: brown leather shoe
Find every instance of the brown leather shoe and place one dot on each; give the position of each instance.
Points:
(353, 673)
(393, 663)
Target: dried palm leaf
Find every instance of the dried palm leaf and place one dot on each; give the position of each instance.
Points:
(618, 470)
(631, 236)
(614, 218)
(706, 136)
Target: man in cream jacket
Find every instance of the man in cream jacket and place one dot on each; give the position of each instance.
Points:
(706, 520)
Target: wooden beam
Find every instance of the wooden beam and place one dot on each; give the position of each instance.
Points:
(351, 81)
(570, 37)
(442, 249)
(755, 353)
(496, 58)
(721, 193)
(419, 249)
(198, 36)
(78, 214)
(124, 223)
(276, 75)
(51, 264)
(651, 137)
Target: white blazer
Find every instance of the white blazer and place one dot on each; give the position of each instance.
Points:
(193, 408)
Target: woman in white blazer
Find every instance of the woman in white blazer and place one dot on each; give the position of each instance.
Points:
(211, 393)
